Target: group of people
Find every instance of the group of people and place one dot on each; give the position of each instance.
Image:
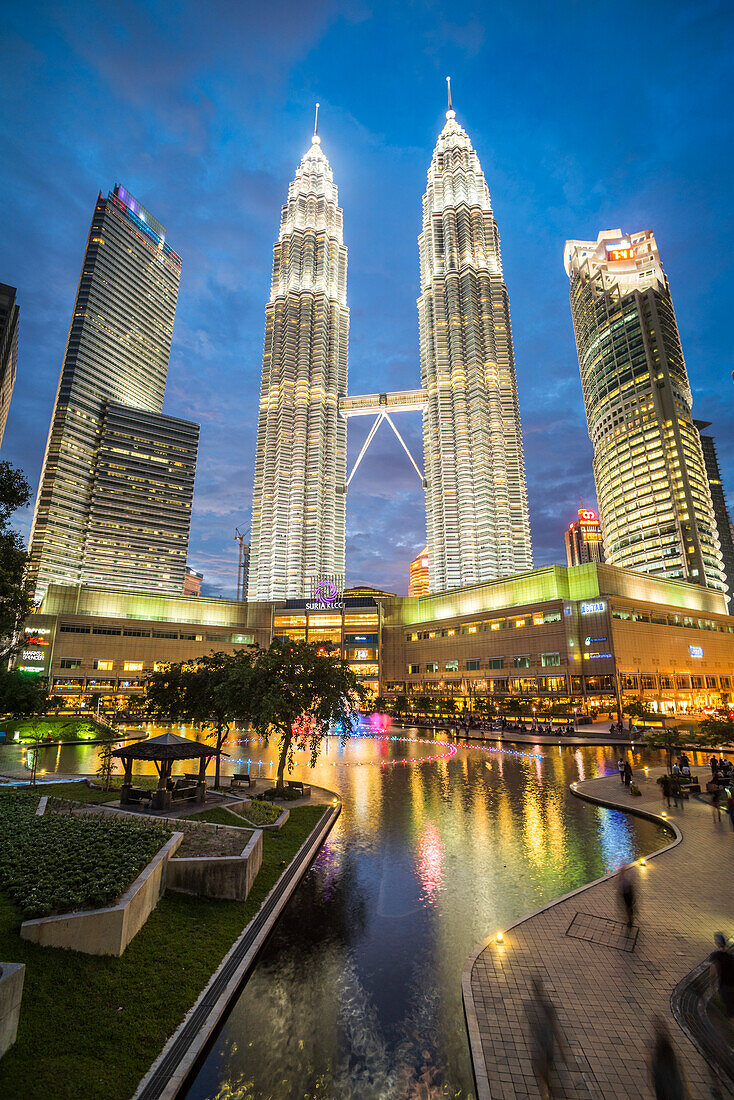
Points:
(720, 768)
(625, 772)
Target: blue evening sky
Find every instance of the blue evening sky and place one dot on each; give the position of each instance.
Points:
(586, 116)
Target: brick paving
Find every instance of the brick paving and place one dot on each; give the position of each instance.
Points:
(606, 995)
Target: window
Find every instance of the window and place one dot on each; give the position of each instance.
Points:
(553, 683)
(413, 670)
(548, 660)
(725, 682)
(70, 662)
(452, 666)
(189, 637)
(105, 630)
(696, 682)
(158, 666)
(551, 616)
(432, 666)
(472, 664)
(496, 662)
(133, 666)
(164, 634)
(682, 682)
(217, 637)
(497, 624)
(136, 633)
(73, 628)
(538, 619)
(519, 622)
(649, 683)
(711, 682)
(521, 661)
(103, 666)
(243, 639)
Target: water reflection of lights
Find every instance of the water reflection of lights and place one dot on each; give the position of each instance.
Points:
(451, 750)
(429, 861)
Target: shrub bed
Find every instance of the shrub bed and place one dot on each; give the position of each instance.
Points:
(259, 813)
(286, 795)
(60, 862)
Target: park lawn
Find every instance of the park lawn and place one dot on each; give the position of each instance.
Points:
(91, 1026)
(62, 727)
(80, 792)
(219, 815)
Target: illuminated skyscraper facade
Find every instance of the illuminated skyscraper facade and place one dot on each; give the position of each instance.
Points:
(583, 539)
(8, 350)
(101, 511)
(418, 578)
(651, 484)
(299, 503)
(477, 517)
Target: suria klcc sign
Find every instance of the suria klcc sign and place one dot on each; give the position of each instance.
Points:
(593, 608)
(326, 597)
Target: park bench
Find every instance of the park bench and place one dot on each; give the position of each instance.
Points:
(183, 791)
(239, 779)
(297, 785)
(139, 794)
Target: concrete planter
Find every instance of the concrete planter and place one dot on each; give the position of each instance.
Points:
(228, 877)
(107, 931)
(276, 825)
(11, 992)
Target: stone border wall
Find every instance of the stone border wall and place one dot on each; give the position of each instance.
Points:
(229, 877)
(107, 931)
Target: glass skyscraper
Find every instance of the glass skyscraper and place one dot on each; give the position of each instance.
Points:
(477, 517)
(115, 362)
(654, 500)
(299, 503)
(8, 350)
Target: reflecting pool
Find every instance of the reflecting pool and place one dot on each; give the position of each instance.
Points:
(357, 993)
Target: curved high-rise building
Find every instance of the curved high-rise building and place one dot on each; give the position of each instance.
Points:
(476, 498)
(651, 484)
(298, 515)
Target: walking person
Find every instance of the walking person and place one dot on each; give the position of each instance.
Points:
(545, 1035)
(721, 970)
(665, 1069)
(627, 774)
(620, 769)
(665, 787)
(716, 806)
(627, 888)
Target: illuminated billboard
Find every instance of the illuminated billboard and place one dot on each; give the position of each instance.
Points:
(620, 252)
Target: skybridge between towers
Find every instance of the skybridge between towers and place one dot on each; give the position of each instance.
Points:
(380, 405)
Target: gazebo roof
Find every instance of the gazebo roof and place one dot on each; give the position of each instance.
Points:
(169, 746)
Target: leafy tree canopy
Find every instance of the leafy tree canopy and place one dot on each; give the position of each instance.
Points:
(15, 594)
(21, 693)
(716, 731)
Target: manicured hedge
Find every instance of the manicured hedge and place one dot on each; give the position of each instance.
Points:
(60, 862)
(261, 813)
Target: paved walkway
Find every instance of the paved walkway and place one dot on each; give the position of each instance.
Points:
(606, 994)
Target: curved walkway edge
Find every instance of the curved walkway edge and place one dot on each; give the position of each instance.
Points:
(173, 1065)
(605, 983)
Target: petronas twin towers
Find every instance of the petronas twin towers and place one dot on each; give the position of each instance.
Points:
(474, 472)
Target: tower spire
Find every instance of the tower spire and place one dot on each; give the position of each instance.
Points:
(316, 140)
(451, 113)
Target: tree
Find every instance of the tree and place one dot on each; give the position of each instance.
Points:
(379, 704)
(400, 702)
(198, 692)
(671, 739)
(295, 692)
(638, 708)
(22, 693)
(713, 732)
(15, 592)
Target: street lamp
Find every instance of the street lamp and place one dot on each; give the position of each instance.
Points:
(575, 730)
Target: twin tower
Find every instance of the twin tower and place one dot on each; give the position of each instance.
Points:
(477, 520)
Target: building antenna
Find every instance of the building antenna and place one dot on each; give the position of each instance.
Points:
(448, 81)
(316, 123)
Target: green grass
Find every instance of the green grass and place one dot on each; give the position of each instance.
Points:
(80, 792)
(261, 813)
(62, 727)
(218, 815)
(90, 1026)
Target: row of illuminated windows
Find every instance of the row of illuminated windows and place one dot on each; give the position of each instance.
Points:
(661, 619)
(231, 639)
(474, 664)
(540, 618)
(676, 680)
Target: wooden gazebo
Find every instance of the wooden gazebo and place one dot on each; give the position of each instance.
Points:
(164, 751)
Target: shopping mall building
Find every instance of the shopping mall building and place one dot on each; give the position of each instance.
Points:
(589, 635)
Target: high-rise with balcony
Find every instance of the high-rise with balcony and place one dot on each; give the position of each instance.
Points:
(718, 499)
(299, 503)
(8, 351)
(476, 497)
(114, 499)
(654, 500)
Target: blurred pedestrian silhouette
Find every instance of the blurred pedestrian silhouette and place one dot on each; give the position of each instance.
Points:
(627, 888)
(721, 969)
(627, 773)
(545, 1036)
(666, 1071)
(716, 806)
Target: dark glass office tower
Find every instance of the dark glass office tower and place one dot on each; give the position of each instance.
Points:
(116, 359)
(8, 350)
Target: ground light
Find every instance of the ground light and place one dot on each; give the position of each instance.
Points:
(500, 938)
(643, 863)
